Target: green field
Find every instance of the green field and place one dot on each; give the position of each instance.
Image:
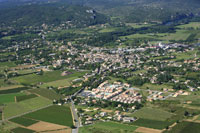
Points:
(23, 121)
(155, 86)
(194, 25)
(46, 77)
(10, 87)
(50, 94)
(14, 90)
(108, 127)
(152, 113)
(21, 130)
(7, 98)
(185, 127)
(152, 123)
(13, 109)
(7, 64)
(25, 97)
(54, 114)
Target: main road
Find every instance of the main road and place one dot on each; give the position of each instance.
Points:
(74, 112)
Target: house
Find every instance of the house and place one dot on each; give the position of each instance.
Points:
(129, 119)
(103, 114)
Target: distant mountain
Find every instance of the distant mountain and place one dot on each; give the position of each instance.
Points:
(144, 10)
(37, 14)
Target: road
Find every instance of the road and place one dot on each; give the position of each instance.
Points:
(76, 118)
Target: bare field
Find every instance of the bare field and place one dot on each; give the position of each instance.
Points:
(147, 130)
(45, 126)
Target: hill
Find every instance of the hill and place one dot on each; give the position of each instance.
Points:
(51, 14)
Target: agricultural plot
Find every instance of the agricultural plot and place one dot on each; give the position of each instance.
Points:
(10, 87)
(23, 121)
(194, 25)
(64, 82)
(155, 86)
(108, 127)
(21, 130)
(50, 94)
(13, 109)
(45, 78)
(152, 113)
(152, 123)
(25, 97)
(7, 64)
(60, 115)
(14, 90)
(185, 127)
(7, 98)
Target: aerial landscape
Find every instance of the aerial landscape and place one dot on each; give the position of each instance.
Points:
(99, 66)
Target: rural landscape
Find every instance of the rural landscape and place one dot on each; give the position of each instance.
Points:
(99, 66)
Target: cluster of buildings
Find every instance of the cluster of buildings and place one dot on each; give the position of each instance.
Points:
(106, 91)
(129, 96)
(116, 92)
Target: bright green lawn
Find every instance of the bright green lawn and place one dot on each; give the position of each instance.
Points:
(54, 114)
(152, 113)
(13, 109)
(7, 98)
(108, 127)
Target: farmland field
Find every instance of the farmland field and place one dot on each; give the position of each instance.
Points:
(185, 127)
(108, 127)
(152, 123)
(7, 64)
(153, 114)
(23, 121)
(60, 115)
(25, 97)
(13, 109)
(21, 130)
(10, 87)
(190, 25)
(45, 78)
(7, 98)
(50, 94)
(14, 90)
